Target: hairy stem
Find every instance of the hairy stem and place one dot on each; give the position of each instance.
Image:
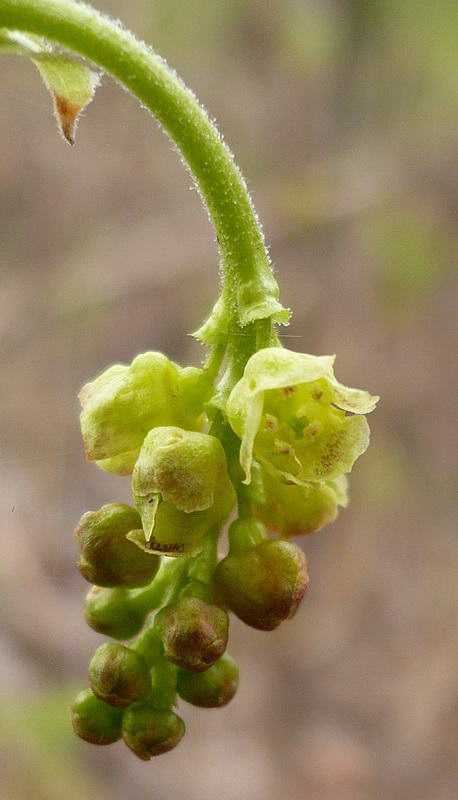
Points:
(251, 291)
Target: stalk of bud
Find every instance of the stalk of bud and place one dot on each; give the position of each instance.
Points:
(246, 533)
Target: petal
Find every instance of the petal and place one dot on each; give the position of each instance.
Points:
(355, 400)
(250, 429)
(337, 453)
(277, 368)
(123, 464)
(340, 488)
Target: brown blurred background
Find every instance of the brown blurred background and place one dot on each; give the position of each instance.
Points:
(343, 116)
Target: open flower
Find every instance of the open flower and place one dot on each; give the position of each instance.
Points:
(290, 413)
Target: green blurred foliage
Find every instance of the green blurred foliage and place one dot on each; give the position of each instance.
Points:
(35, 733)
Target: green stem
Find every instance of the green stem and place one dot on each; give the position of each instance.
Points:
(156, 594)
(250, 290)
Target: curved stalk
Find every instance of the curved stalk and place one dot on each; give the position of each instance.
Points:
(250, 290)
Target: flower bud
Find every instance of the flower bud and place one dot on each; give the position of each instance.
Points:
(213, 688)
(194, 633)
(122, 404)
(95, 721)
(149, 732)
(107, 557)
(181, 488)
(292, 510)
(118, 675)
(186, 468)
(263, 586)
(109, 611)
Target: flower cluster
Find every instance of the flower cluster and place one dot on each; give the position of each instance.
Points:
(155, 567)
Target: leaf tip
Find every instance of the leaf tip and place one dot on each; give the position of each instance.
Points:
(67, 117)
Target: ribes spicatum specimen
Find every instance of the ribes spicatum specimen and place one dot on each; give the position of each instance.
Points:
(259, 434)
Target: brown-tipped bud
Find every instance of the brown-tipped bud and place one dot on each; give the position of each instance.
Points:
(213, 688)
(149, 732)
(194, 633)
(94, 721)
(118, 675)
(265, 585)
(109, 611)
(107, 557)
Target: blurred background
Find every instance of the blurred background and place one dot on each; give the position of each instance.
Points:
(343, 116)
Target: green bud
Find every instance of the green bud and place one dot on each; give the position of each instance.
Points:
(118, 675)
(122, 404)
(187, 469)
(107, 557)
(149, 732)
(95, 721)
(181, 488)
(193, 632)
(289, 411)
(213, 688)
(265, 585)
(292, 510)
(109, 611)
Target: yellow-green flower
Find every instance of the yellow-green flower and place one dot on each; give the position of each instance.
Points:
(292, 510)
(181, 488)
(290, 413)
(122, 404)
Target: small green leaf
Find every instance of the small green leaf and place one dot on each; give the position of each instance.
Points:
(71, 83)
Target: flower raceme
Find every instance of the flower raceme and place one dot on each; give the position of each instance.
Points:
(299, 430)
(300, 433)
